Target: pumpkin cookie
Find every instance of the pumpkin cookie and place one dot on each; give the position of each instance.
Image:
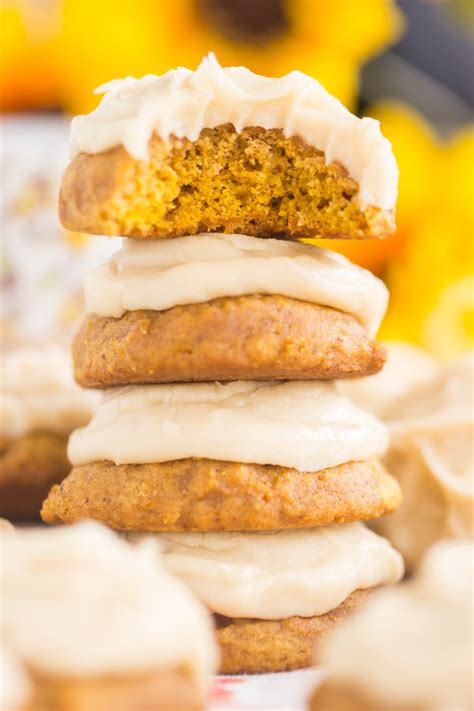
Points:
(210, 456)
(245, 338)
(209, 495)
(263, 646)
(225, 150)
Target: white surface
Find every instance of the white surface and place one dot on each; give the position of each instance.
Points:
(287, 691)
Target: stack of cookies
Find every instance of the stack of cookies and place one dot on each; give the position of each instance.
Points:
(217, 336)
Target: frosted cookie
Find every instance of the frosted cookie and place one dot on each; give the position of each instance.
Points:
(228, 307)
(226, 150)
(39, 406)
(431, 455)
(277, 594)
(426, 654)
(101, 625)
(240, 456)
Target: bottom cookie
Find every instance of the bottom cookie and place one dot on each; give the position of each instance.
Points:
(251, 646)
(172, 690)
(29, 466)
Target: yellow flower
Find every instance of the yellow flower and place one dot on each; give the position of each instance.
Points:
(428, 276)
(416, 148)
(427, 263)
(28, 68)
(329, 39)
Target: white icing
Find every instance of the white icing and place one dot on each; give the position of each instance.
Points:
(305, 425)
(38, 392)
(279, 574)
(79, 601)
(181, 103)
(159, 274)
(412, 645)
(15, 686)
(432, 456)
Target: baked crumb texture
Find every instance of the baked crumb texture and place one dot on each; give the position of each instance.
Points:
(209, 495)
(29, 466)
(257, 182)
(249, 646)
(246, 338)
(163, 690)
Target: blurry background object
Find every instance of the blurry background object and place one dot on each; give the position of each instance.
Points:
(407, 367)
(421, 630)
(407, 63)
(432, 456)
(86, 40)
(42, 265)
(428, 407)
(40, 405)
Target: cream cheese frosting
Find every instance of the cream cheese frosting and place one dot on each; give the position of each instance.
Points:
(279, 574)
(305, 425)
(80, 601)
(432, 456)
(411, 645)
(159, 274)
(182, 102)
(38, 392)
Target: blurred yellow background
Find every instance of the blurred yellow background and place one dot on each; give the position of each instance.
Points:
(54, 53)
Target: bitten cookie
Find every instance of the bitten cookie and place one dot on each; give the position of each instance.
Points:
(225, 150)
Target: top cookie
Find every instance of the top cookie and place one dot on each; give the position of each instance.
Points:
(227, 150)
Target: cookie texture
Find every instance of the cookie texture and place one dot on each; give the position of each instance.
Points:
(245, 338)
(167, 690)
(250, 646)
(29, 466)
(210, 495)
(256, 182)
